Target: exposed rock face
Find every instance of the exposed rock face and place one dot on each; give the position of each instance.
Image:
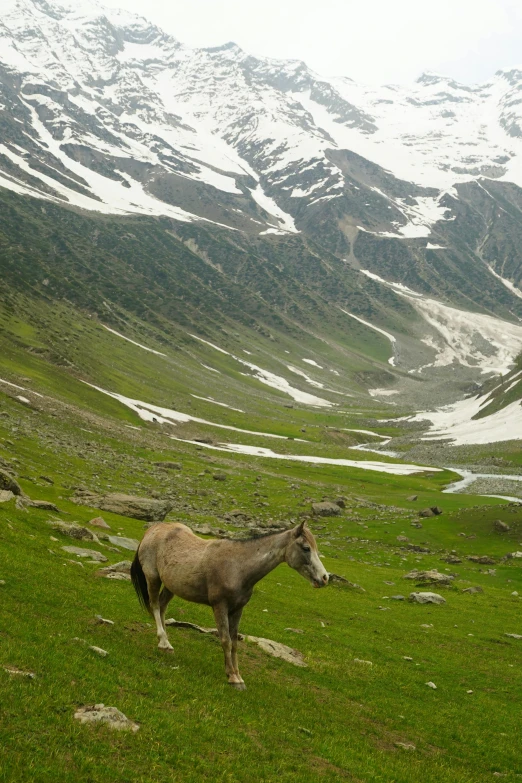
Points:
(7, 482)
(147, 509)
(6, 495)
(325, 509)
(426, 598)
(112, 717)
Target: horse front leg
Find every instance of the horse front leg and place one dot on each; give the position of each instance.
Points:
(223, 628)
(234, 619)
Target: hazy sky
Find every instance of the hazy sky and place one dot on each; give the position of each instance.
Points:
(376, 41)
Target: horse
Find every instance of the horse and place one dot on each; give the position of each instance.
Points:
(171, 560)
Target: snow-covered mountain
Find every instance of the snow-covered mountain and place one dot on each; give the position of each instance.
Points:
(400, 205)
(103, 110)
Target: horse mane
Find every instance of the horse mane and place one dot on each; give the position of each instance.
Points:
(257, 536)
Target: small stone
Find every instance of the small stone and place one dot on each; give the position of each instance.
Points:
(98, 650)
(426, 598)
(98, 713)
(294, 630)
(359, 660)
(403, 539)
(397, 598)
(426, 512)
(405, 745)
(99, 522)
(407, 658)
(514, 593)
(482, 559)
(469, 691)
(19, 673)
(513, 635)
(431, 685)
(2, 581)
(473, 590)
(219, 476)
(412, 498)
(6, 495)
(102, 621)
(432, 576)
(427, 625)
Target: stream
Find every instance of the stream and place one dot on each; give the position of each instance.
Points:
(468, 477)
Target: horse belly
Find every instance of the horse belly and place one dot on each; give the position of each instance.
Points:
(185, 580)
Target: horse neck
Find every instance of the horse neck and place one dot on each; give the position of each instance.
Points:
(262, 555)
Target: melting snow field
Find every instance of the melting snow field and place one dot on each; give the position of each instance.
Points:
(389, 336)
(275, 381)
(149, 412)
(455, 422)
(215, 402)
(151, 350)
(460, 334)
(257, 451)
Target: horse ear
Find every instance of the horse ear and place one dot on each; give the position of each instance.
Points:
(299, 529)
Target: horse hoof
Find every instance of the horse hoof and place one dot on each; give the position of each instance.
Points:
(166, 649)
(239, 686)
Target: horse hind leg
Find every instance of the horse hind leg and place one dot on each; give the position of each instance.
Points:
(233, 626)
(154, 585)
(164, 600)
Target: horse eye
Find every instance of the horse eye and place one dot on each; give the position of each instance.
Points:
(306, 549)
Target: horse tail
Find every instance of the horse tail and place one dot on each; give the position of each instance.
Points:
(140, 583)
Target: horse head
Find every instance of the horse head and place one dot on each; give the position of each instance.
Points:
(301, 554)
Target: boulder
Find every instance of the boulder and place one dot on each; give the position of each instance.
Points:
(426, 598)
(10, 484)
(436, 510)
(125, 543)
(482, 559)
(403, 539)
(119, 570)
(426, 512)
(93, 554)
(6, 495)
(433, 576)
(340, 502)
(44, 505)
(500, 526)
(147, 509)
(412, 498)
(219, 476)
(473, 590)
(99, 522)
(452, 559)
(73, 530)
(325, 509)
(168, 465)
(112, 717)
(514, 555)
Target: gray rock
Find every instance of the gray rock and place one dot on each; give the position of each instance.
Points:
(473, 590)
(397, 598)
(91, 553)
(426, 598)
(514, 635)
(103, 621)
(483, 559)
(98, 650)
(125, 543)
(168, 465)
(325, 509)
(500, 526)
(123, 568)
(9, 483)
(219, 476)
(112, 717)
(44, 505)
(426, 512)
(6, 495)
(147, 509)
(403, 539)
(412, 498)
(73, 530)
(429, 577)
(453, 559)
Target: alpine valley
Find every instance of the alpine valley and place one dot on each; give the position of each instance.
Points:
(240, 295)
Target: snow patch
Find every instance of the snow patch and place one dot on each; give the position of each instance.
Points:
(151, 350)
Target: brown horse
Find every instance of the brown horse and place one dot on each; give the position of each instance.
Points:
(171, 560)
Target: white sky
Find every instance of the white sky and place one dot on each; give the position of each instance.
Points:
(376, 41)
